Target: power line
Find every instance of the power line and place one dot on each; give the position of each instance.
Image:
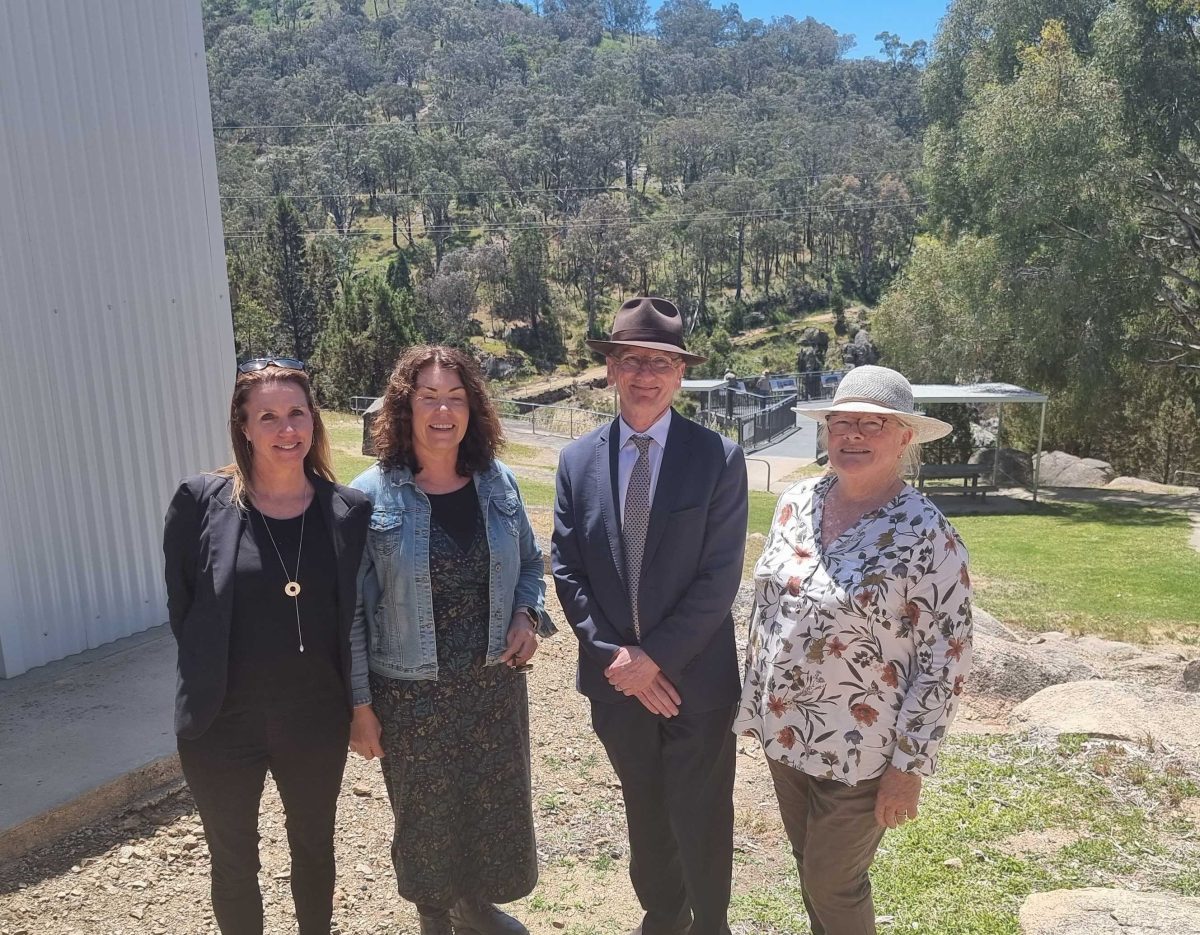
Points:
(526, 118)
(759, 214)
(617, 188)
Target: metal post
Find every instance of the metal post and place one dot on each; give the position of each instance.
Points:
(999, 432)
(1037, 465)
(572, 418)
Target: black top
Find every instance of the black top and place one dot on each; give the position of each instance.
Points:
(265, 662)
(457, 513)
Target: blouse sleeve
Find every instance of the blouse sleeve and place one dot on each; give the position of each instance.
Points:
(938, 609)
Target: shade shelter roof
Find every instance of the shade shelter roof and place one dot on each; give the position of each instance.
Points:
(703, 386)
(975, 394)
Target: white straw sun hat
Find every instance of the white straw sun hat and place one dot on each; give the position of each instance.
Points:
(884, 391)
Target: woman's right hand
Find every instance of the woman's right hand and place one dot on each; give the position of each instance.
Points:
(366, 733)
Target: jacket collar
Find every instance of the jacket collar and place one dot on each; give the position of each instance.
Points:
(402, 476)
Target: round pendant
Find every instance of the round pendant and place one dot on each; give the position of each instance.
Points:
(291, 589)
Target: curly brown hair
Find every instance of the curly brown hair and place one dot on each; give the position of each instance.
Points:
(392, 429)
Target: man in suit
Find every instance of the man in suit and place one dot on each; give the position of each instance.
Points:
(649, 536)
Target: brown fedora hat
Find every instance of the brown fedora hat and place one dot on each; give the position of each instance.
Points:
(650, 322)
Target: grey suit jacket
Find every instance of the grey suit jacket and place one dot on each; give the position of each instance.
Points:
(691, 567)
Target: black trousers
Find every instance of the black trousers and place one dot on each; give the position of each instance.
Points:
(677, 779)
(225, 769)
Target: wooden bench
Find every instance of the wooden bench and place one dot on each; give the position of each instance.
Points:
(968, 473)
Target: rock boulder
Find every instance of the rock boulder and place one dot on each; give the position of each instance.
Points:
(1060, 469)
(1095, 911)
(1121, 710)
(1015, 467)
(1018, 670)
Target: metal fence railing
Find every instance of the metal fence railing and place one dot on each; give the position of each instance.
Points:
(360, 404)
(548, 419)
(758, 428)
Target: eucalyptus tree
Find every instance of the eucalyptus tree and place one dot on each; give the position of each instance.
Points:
(595, 249)
(286, 285)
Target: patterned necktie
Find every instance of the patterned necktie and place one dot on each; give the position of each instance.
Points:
(635, 523)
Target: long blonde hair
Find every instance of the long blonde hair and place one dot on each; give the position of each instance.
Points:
(318, 461)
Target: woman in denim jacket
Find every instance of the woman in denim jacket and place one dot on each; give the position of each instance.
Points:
(450, 605)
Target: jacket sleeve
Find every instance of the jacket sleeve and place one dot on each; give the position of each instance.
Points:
(597, 636)
(360, 680)
(181, 543)
(694, 621)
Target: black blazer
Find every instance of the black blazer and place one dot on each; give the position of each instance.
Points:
(200, 542)
(691, 568)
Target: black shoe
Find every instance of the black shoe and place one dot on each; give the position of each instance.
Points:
(436, 924)
(476, 917)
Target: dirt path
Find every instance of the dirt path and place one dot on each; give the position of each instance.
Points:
(147, 873)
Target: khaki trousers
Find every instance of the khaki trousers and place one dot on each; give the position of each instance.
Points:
(833, 833)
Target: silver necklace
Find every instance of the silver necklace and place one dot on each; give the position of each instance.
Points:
(292, 588)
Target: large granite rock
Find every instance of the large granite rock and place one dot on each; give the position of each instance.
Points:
(1013, 666)
(1120, 710)
(1141, 485)
(1015, 467)
(1017, 671)
(1095, 911)
(1060, 469)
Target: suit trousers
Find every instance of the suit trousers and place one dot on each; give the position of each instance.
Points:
(225, 769)
(677, 780)
(834, 836)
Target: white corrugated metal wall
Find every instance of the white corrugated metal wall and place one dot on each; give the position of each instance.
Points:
(116, 347)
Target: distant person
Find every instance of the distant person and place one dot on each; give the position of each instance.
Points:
(859, 645)
(763, 387)
(449, 611)
(649, 534)
(261, 559)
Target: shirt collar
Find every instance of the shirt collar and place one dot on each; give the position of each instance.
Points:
(658, 431)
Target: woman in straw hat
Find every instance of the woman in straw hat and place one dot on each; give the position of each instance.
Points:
(859, 644)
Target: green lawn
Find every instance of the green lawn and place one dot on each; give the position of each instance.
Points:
(1116, 571)
(992, 792)
(1120, 572)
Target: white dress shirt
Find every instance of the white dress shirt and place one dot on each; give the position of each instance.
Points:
(627, 455)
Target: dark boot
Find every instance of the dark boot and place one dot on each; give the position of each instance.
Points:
(436, 923)
(477, 917)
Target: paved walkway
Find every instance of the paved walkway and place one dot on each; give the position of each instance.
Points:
(85, 736)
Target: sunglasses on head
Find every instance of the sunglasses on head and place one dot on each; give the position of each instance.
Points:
(262, 363)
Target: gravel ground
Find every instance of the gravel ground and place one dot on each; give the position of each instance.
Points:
(147, 871)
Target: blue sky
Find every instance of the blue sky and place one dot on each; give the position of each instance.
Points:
(909, 19)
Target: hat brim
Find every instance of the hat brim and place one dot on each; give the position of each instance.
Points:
(607, 347)
(927, 428)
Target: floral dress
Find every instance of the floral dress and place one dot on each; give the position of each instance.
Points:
(456, 762)
(857, 653)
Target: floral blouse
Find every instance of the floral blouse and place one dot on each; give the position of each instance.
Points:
(857, 653)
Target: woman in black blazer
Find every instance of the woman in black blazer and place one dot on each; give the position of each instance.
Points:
(261, 564)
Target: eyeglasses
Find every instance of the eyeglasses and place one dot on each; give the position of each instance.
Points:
(262, 363)
(863, 425)
(632, 363)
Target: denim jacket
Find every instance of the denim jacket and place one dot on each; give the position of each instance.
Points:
(392, 633)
